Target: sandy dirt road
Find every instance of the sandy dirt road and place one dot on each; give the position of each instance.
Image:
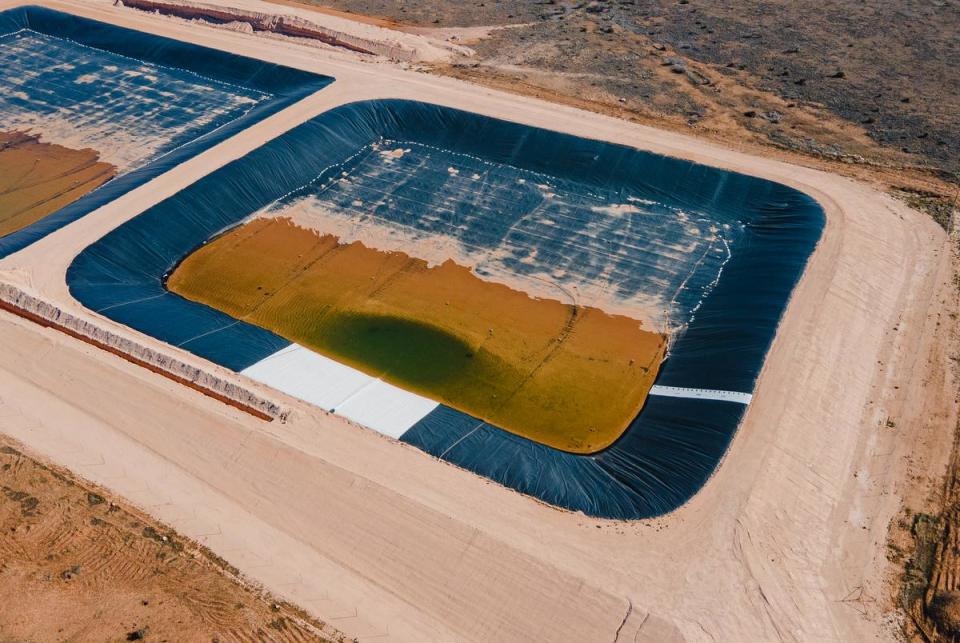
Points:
(378, 538)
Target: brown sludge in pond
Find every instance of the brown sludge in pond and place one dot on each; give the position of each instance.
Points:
(37, 179)
(568, 376)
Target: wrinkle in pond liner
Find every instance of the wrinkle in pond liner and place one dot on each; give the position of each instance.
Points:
(673, 445)
(118, 71)
(668, 452)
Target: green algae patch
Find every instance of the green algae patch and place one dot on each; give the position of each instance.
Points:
(416, 354)
(567, 376)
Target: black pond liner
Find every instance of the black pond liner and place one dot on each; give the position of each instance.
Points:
(673, 445)
(286, 85)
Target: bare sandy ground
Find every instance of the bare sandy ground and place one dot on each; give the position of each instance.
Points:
(78, 566)
(377, 538)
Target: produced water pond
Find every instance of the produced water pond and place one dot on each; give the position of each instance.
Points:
(358, 259)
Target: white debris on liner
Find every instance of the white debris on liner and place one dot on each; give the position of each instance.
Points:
(128, 122)
(340, 389)
(702, 394)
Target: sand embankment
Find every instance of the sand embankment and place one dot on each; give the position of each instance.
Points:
(72, 545)
(15, 301)
(362, 38)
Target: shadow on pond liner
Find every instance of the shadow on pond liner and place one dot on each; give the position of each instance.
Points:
(730, 309)
(145, 103)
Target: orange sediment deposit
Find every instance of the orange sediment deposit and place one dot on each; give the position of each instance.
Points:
(37, 179)
(568, 376)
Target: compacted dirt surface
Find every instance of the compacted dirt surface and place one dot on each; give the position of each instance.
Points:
(77, 566)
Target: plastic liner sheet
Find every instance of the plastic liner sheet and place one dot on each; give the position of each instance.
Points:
(673, 445)
(665, 456)
(114, 81)
(602, 245)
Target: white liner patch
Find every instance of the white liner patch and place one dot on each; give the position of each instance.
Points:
(702, 394)
(340, 389)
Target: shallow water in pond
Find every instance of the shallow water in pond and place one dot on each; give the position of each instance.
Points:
(38, 178)
(406, 350)
(565, 375)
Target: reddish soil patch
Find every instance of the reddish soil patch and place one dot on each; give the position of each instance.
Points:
(78, 565)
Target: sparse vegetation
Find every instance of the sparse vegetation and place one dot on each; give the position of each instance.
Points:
(939, 206)
(813, 74)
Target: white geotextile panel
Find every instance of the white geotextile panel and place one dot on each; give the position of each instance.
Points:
(386, 408)
(333, 386)
(702, 393)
